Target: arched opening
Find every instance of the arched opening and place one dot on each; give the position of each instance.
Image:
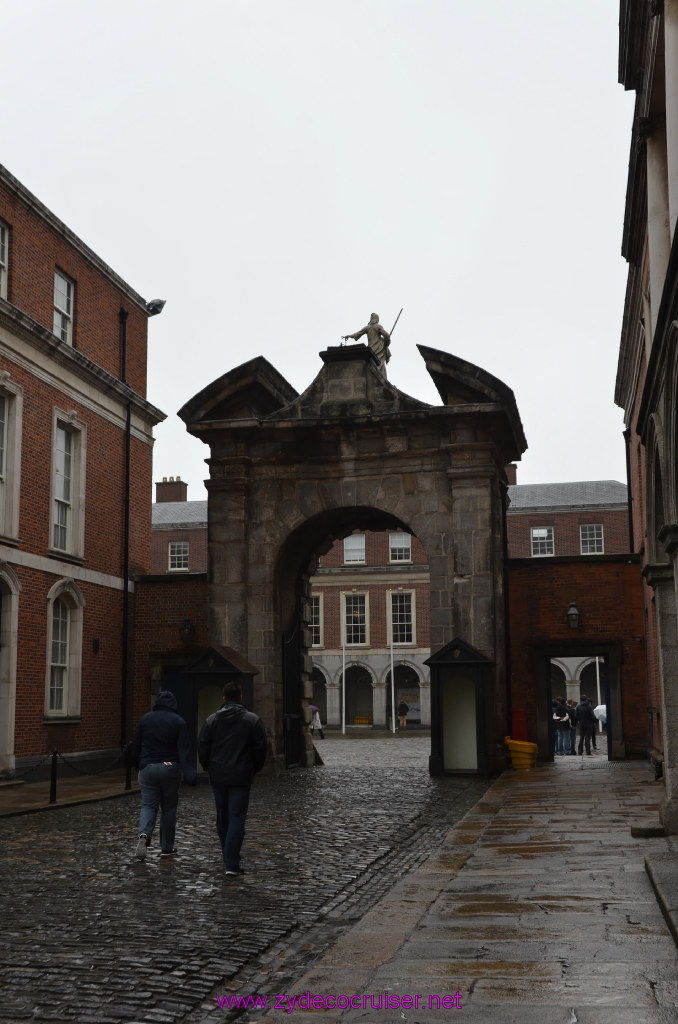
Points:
(358, 696)
(335, 584)
(319, 696)
(406, 688)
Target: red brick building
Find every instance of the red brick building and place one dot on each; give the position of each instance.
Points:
(179, 537)
(590, 517)
(73, 420)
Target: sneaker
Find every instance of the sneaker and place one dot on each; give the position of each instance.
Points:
(140, 852)
(235, 871)
(168, 853)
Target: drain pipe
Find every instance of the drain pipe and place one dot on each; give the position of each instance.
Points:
(125, 543)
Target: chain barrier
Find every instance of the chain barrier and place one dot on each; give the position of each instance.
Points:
(32, 768)
(99, 771)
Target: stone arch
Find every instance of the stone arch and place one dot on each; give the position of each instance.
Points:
(291, 472)
(319, 691)
(10, 589)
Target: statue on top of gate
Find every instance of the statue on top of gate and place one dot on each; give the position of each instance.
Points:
(378, 339)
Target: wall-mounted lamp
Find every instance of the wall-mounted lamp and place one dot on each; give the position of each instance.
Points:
(573, 616)
(186, 629)
(155, 306)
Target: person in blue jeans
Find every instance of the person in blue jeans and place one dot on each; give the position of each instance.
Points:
(232, 749)
(562, 724)
(162, 753)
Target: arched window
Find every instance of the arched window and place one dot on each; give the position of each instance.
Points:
(65, 604)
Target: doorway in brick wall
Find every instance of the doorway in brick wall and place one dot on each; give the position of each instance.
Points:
(576, 679)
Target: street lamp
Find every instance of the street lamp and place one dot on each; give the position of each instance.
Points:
(572, 616)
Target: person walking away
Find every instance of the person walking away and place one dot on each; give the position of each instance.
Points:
(232, 749)
(403, 708)
(562, 721)
(162, 752)
(587, 723)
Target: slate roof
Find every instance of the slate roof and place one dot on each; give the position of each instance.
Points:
(178, 514)
(581, 494)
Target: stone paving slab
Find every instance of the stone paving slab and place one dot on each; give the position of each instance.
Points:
(560, 928)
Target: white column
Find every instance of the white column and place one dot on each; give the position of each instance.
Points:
(671, 77)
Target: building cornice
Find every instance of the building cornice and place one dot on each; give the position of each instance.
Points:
(72, 361)
(53, 222)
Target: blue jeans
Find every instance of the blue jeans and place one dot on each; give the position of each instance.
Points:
(231, 803)
(159, 789)
(562, 741)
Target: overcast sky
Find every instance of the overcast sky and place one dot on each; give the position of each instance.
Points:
(279, 170)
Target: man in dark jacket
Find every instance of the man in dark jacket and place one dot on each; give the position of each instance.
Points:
(162, 751)
(232, 749)
(587, 724)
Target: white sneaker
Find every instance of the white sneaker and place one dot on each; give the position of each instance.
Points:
(140, 852)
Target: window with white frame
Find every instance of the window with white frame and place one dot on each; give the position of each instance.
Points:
(65, 605)
(354, 548)
(402, 616)
(4, 259)
(355, 619)
(542, 541)
(400, 547)
(315, 623)
(591, 539)
(63, 307)
(178, 556)
(68, 484)
(11, 406)
(58, 668)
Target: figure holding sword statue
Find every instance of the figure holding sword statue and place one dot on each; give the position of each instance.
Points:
(377, 338)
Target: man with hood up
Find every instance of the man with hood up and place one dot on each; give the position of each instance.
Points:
(162, 751)
(232, 749)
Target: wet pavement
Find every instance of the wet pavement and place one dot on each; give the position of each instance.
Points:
(537, 909)
(90, 934)
(524, 901)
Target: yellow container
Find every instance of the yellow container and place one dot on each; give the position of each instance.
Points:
(523, 755)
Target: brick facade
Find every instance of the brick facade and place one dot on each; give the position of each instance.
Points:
(566, 530)
(607, 592)
(47, 383)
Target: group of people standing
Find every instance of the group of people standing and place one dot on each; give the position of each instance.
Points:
(231, 748)
(566, 717)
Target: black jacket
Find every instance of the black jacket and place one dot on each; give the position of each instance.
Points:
(232, 746)
(162, 736)
(585, 716)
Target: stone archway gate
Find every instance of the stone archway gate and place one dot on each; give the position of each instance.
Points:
(290, 473)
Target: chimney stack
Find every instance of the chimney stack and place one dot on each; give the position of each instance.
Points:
(172, 489)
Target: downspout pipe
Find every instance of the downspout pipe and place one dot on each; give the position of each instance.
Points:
(125, 542)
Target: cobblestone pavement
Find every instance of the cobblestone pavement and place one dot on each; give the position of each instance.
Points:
(92, 935)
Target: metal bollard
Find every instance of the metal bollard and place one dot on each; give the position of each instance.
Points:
(53, 777)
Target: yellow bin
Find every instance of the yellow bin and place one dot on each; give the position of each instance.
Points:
(523, 755)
